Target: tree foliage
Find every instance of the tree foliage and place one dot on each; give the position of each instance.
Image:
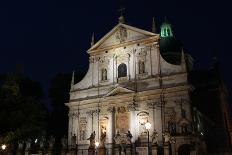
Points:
(22, 115)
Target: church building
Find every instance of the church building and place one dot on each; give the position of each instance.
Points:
(135, 96)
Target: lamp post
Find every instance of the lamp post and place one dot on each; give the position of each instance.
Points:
(97, 144)
(148, 126)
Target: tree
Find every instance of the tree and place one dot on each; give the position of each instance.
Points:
(22, 115)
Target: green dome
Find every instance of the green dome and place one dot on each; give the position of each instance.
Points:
(170, 47)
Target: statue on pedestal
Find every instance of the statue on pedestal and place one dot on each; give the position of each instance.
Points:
(51, 142)
(20, 145)
(42, 142)
(64, 142)
(28, 144)
(166, 136)
(92, 140)
(73, 141)
(154, 137)
(129, 137)
(103, 139)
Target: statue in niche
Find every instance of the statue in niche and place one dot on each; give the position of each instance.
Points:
(104, 74)
(92, 140)
(82, 133)
(154, 136)
(141, 67)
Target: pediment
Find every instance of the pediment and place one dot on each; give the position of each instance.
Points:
(119, 90)
(121, 33)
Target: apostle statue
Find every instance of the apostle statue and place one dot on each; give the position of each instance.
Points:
(64, 142)
(117, 138)
(154, 137)
(28, 144)
(42, 142)
(166, 136)
(51, 142)
(103, 138)
(129, 137)
(92, 140)
(20, 145)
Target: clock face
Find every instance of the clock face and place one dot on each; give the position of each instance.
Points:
(121, 34)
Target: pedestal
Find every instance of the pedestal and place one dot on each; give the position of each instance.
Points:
(27, 152)
(19, 152)
(102, 151)
(63, 151)
(49, 151)
(40, 152)
(166, 149)
(72, 151)
(154, 150)
(91, 151)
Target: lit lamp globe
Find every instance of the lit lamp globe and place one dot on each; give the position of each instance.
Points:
(96, 144)
(148, 126)
(3, 147)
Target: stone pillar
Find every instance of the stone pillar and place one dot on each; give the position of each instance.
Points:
(173, 147)
(154, 150)
(70, 128)
(166, 149)
(111, 130)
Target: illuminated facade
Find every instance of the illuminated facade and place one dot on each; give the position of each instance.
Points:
(128, 84)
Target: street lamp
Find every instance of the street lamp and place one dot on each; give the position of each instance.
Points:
(3, 147)
(97, 144)
(148, 126)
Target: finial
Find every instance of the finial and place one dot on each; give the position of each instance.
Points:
(92, 40)
(72, 81)
(121, 19)
(153, 25)
(183, 62)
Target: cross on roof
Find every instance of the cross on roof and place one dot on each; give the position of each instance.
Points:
(121, 10)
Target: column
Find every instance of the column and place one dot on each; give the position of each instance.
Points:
(111, 130)
(70, 128)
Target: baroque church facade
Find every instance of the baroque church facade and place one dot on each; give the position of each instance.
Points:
(129, 83)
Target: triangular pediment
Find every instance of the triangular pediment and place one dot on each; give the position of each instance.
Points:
(119, 90)
(121, 33)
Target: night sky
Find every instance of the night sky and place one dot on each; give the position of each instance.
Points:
(51, 36)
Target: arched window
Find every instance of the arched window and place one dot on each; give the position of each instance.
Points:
(122, 70)
(141, 67)
(104, 74)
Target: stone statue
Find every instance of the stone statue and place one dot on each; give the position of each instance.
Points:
(117, 138)
(42, 142)
(166, 136)
(64, 142)
(154, 137)
(102, 139)
(20, 145)
(28, 144)
(51, 142)
(92, 139)
(129, 137)
(73, 140)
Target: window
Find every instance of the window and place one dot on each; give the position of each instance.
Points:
(141, 67)
(122, 70)
(104, 74)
